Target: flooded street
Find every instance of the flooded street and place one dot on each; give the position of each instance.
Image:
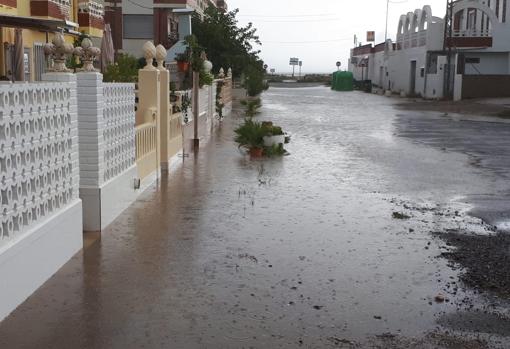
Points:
(348, 242)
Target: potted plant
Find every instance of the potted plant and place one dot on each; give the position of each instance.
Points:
(252, 106)
(183, 61)
(250, 135)
(275, 136)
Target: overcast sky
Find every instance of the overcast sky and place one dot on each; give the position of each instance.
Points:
(321, 32)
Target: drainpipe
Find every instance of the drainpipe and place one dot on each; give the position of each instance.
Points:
(427, 57)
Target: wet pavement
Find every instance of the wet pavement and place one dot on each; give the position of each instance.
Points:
(346, 243)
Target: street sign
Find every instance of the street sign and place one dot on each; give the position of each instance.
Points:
(300, 63)
(265, 66)
(338, 64)
(370, 36)
(294, 61)
(273, 70)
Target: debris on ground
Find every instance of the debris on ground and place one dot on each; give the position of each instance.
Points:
(484, 258)
(399, 215)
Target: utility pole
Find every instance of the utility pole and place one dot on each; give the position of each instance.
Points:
(447, 46)
(387, 14)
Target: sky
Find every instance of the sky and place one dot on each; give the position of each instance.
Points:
(321, 32)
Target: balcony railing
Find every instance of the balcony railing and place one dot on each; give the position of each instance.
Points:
(472, 33)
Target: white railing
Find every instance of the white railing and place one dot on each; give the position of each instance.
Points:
(146, 138)
(119, 128)
(472, 33)
(38, 154)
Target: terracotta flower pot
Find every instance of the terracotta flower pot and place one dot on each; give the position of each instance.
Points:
(183, 66)
(256, 152)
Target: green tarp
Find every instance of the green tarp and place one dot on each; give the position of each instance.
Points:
(342, 81)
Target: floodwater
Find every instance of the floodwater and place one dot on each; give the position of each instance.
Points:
(299, 251)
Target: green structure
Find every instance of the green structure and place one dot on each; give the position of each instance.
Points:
(342, 81)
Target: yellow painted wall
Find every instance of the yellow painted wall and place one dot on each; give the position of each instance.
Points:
(30, 37)
(94, 32)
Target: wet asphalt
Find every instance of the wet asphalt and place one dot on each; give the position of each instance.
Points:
(345, 243)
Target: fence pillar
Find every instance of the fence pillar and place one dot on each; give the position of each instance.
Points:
(149, 96)
(91, 146)
(90, 126)
(164, 106)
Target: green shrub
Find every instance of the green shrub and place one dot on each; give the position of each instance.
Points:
(125, 69)
(252, 106)
(250, 134)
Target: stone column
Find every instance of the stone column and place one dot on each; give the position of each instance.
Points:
(149, 94)
(90, 126)
(164, 106)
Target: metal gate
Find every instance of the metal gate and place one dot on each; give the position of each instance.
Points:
(9, 53)
(39, 61)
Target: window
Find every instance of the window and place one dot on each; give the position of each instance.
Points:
(138, 26)
(432, 64)
(503, 19)
(472, 60)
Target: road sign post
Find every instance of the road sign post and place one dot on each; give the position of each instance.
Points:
(293, 62)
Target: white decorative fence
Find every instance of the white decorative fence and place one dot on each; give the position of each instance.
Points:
(119, 128)
(38, 154)
(106, 127)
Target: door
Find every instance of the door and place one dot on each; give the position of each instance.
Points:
(412, 80)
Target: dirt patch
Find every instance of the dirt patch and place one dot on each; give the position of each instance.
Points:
(482, 321)
(485, 260)
(433, 340)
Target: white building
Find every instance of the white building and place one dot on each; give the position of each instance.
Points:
(416, 63)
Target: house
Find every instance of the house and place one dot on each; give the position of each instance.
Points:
(135, 22)
(38, 20)
(472, 38)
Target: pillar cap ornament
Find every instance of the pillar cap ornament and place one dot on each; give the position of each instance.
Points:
(221, 74)
(59, 50)
(160, 56)
(149, 52)
(229, 72)
(88, 54)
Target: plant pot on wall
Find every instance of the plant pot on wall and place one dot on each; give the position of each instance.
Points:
(256, 152)
(183, 66)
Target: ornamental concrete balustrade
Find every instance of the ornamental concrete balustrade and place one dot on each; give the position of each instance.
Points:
(75, 137)
(41, 214)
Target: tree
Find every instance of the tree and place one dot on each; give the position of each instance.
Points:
(230, 46)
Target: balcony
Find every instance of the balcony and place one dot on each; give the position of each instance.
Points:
(470, 38)
(60, 9)
(90, 14)
(9, 3)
